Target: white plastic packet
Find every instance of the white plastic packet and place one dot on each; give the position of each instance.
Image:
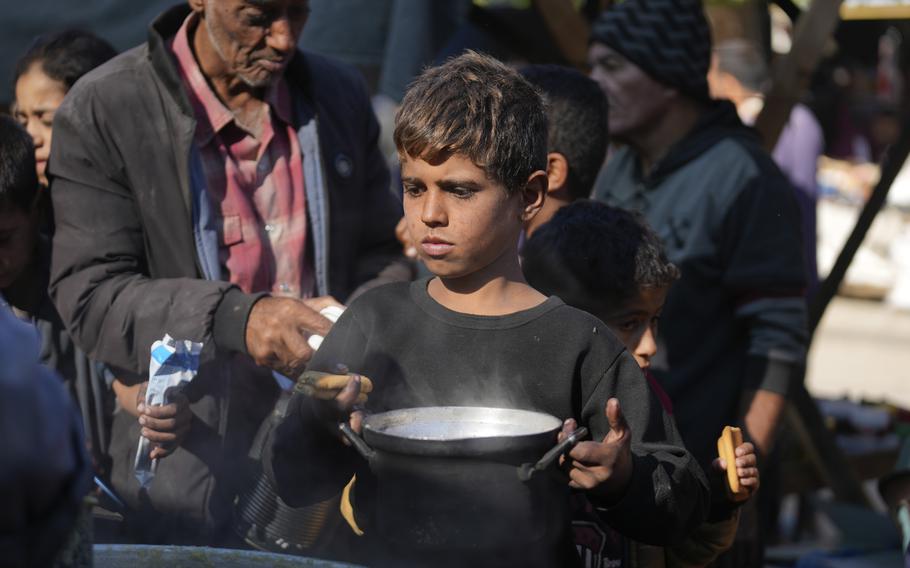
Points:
(174, 363)
(331, 313)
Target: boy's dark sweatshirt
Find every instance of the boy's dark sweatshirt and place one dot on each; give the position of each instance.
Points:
(551, 358)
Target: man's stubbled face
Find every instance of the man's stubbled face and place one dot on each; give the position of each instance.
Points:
(637, 101)
(255, 39)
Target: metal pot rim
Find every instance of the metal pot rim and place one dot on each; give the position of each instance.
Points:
(539, 431)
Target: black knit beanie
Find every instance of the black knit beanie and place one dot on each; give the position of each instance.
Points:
(670, 40)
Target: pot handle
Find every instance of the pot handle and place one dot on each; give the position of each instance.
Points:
(527, 470)
(362, 448)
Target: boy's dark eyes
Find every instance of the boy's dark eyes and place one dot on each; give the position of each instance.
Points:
(412, 190)
(458, 192)
(461, 192)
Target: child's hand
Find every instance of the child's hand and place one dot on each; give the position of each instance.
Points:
(165, 425)
(746, 467)
(604, 468)
(346, 405)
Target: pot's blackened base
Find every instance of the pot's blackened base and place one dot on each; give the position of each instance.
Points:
(469, 512)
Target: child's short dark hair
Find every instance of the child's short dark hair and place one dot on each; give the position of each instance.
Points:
(577, 120)
(18, 176)
(476, 106)
(65, 56)
(596, 257)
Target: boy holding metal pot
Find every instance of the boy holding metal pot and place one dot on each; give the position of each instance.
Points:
(472, 139)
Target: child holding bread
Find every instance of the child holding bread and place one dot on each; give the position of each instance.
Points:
(607, 261)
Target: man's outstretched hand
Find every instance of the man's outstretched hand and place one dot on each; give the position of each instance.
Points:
(603, 468)
(277, 332)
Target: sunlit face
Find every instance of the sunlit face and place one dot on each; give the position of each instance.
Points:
(635, 323)
(636, 100)
(37, 99)
(17, 242)
(255, 39)
(460, 221)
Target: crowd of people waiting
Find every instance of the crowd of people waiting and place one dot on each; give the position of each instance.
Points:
(218, 184)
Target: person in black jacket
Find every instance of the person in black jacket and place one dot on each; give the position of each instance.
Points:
(189, 177)
(735, 335)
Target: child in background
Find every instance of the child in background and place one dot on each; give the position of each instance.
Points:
(576, 135)
(43, 76)
(472, 140)
(608, 262)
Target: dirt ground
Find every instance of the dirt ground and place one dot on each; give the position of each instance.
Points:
(862, 350)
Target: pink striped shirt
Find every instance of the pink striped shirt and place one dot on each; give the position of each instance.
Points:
(256, 185)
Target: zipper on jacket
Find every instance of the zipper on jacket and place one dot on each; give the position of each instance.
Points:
(325, 210)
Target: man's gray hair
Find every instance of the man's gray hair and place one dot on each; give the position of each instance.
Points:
(745, 61)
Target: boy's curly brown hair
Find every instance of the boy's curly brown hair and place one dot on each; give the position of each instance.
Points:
(478, 107)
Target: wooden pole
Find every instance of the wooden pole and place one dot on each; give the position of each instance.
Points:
(891, 165)
(569, 29)
(792, 72)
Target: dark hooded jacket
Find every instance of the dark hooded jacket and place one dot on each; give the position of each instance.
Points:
(736, 320)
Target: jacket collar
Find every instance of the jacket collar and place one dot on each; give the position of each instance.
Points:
(161, 30)
(719, 121)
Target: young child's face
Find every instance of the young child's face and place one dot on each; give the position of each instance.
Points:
(460, 221)
(17, 242)
(635, 323)
(37, 99)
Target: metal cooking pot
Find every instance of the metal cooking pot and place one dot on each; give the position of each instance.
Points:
(467, 484)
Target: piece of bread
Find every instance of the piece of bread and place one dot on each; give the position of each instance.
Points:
(329, 382)
(730, 439)
(326, 386)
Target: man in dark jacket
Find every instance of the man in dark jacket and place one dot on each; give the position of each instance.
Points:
(733, 331)
(212, 184)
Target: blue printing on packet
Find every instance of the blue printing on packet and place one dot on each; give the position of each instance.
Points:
(174, 358)
(172, 362)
